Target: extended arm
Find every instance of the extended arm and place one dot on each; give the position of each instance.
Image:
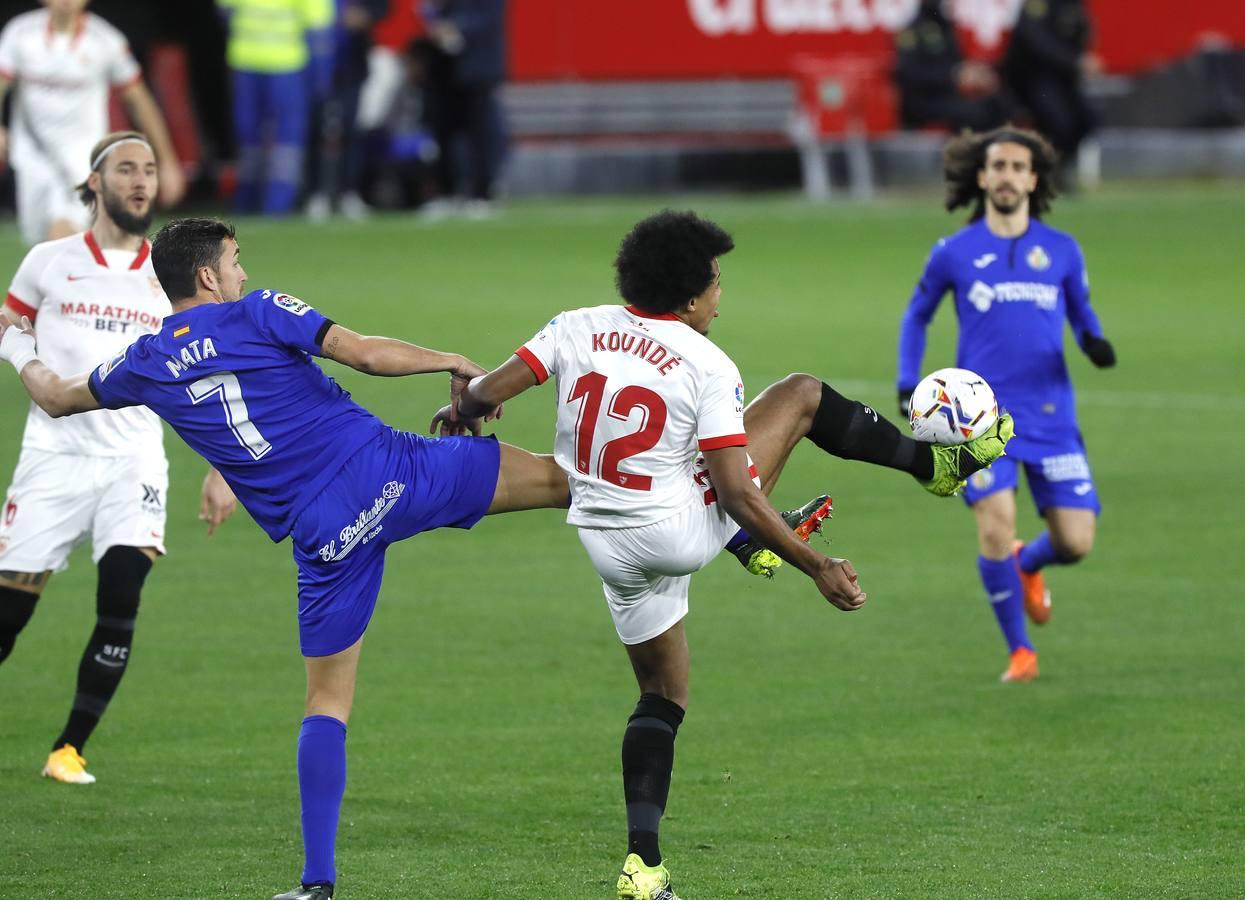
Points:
(217, 501)
(390, 357)
(743, 501)
(55, 395)
(146, 115)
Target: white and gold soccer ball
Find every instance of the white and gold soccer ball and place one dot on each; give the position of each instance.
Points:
(951, 406)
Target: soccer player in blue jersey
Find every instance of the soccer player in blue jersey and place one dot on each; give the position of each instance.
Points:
(233, 375)
(1015, 280)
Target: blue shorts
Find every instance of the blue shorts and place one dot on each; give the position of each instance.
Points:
(1058, 476)
(394, 487)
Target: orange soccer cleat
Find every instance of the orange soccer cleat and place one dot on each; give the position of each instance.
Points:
(1023, 666)
(1037, 596)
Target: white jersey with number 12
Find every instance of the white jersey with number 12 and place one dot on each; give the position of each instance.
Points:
(639, 397)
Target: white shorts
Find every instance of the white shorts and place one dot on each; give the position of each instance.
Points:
(43, 197)
(646, 570)
(57, 499)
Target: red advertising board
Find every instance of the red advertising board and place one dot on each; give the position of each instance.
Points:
(671, 39)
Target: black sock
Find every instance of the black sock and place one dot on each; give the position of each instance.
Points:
(850, 430)
(16, 608)
(122, 571)
(103, 663)
(648, 759)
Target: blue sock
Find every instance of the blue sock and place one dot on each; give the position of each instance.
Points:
(741, 537)
(1038, 553)
(321, 783)
(1002, 582)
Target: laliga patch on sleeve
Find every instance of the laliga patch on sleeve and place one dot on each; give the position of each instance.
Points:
(106, 369)
(291, 304)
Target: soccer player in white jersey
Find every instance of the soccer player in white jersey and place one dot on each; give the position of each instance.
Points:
(64, 61)
(665, 465)
(103, 474)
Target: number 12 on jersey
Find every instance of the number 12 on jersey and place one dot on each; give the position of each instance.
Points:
(591, 390)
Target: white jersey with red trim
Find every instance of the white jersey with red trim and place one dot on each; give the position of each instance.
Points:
(638, 397)
(88, 305)
(61, 106)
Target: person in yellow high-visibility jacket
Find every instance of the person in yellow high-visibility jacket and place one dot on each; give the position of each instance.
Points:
(279, 54)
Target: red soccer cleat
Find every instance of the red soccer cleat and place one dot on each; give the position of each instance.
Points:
(1023, 666)
(1037, 596)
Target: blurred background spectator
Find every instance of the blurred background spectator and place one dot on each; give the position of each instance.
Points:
(279, 52)
(686, 94)
(464, 64)
(937, 85)
(1046, 65)
(335, 169)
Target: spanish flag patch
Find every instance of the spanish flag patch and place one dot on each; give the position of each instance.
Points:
(185, 329)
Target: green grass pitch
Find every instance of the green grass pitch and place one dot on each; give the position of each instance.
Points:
(871, 755)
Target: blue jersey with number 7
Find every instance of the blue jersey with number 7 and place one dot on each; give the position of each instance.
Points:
(237, 382)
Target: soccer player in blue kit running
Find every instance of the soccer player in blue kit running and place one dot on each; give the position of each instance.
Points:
(1015, 281)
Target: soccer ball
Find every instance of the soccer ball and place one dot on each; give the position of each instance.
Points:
(951, 406)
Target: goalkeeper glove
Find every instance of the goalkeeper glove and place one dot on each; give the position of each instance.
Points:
(1099, 351)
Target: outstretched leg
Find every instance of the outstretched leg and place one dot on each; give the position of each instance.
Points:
(800, 406)
(528, 480)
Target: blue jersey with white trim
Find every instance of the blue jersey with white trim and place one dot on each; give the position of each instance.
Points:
(237, 382)
(1012, 296)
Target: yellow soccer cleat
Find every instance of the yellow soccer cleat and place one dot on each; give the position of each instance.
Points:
(641, 882)
(805, 522)
(955, 462)
(66, 765)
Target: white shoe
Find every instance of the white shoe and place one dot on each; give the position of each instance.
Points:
(318, 208)
(480, 210)
(438, 210)
(353, 207)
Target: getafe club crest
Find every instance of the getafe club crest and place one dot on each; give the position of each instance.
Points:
(1038, 259)
(982, 479)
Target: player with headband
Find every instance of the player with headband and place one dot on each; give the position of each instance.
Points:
(90, 295)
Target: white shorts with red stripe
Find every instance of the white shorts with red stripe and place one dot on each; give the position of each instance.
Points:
(58, 499)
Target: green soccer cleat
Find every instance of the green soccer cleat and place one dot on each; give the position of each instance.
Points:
(803, 521)
(955, 462)
(641, 882)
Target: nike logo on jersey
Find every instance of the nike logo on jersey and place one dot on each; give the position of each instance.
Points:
(984, 260)
(76, 277)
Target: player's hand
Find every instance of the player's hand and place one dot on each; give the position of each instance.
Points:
(172, 184)
(460, 377)
(838, 583)
(448, 423)
(4, 145)
(217, 502)
(1099, 351)
(905, 396)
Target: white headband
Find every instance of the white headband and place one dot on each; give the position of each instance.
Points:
(99, 157)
